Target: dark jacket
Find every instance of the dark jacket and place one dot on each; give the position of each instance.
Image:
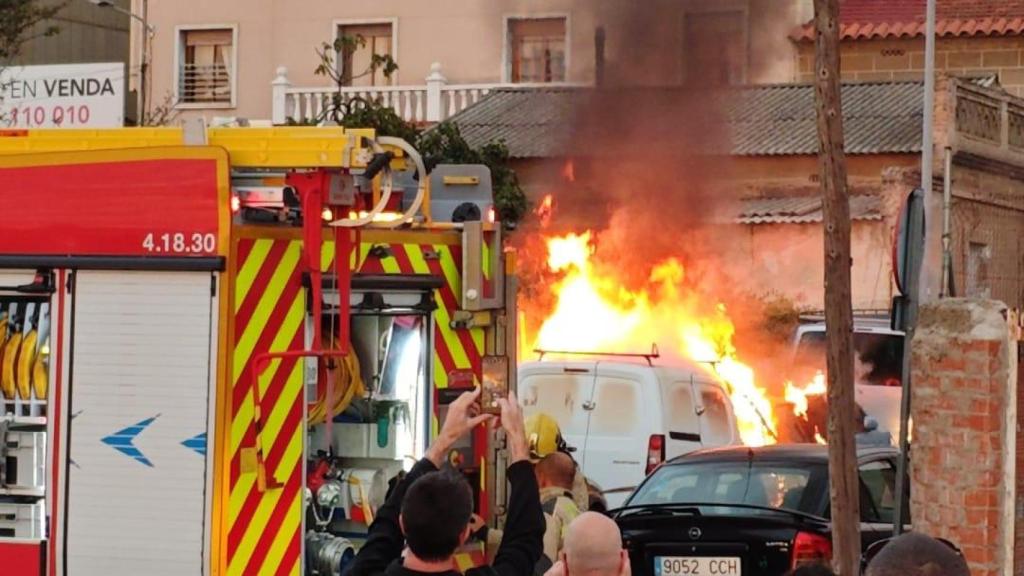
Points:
(520, 548)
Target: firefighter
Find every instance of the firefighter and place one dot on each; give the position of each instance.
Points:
(555, 474)
(545, 437)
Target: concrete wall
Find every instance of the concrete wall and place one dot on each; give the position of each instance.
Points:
(903, 59)
(465, 36)
(964, 410)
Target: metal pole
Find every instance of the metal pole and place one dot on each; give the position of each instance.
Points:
(915, 289)
(947, 206)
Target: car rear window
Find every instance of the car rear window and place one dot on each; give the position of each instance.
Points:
(879, 357)
(768, 484)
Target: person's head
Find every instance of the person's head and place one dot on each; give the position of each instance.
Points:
(593, 547)
(435, 515)
(556, 469)
(915, 554)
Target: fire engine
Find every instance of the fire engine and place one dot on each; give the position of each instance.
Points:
(219, 345)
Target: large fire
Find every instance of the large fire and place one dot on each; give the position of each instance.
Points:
(594, 311)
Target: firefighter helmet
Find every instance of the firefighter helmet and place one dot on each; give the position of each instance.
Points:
(544, 436)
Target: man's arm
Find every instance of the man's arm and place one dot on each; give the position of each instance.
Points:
(385, 540)
(523, 541)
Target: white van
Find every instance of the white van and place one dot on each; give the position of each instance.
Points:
(623, 419)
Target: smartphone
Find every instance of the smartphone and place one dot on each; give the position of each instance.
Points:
(495, 383)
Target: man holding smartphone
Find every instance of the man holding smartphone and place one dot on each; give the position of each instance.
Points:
(428, 514)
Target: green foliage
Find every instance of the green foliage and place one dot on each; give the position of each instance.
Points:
(18, 20)
(363, 113)
(442, 144)
(445, 144)
(332, 53)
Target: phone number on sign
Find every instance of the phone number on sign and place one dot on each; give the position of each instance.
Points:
(29, 116)
(180, 243)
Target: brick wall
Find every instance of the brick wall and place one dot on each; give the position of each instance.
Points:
(964, 434)
(903, 59)
(1018, 512)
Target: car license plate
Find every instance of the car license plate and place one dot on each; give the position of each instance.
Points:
(696, 566)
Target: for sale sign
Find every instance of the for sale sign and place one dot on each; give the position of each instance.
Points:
(62, 96)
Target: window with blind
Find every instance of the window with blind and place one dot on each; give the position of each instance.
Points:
(207, 66)
(356, 61)
(715, 50)
(537, 49)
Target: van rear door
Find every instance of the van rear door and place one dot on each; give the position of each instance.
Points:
(681, 416)
(560, 390)
(717, 422)
(620, 423)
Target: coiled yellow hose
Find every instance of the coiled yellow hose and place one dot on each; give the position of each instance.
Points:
(348, 385)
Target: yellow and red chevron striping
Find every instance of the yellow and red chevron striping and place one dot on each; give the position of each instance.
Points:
(264, 527)
(453, 349)
(269, 305)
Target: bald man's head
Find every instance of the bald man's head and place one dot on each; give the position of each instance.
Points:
(556, 469)
(593, 547)
(916, 554)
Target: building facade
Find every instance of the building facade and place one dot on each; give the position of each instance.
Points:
(884, 40)
(221, 58)
(86, 33)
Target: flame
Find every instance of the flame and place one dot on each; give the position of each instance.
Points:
(797, 396)
(544, 210)
(594, 312)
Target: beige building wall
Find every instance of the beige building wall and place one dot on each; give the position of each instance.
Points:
(789, 260)
(467, 37)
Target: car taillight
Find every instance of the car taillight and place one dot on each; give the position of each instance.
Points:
(655, 452)
(810, 548)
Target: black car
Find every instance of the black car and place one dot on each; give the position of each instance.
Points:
(748, 511)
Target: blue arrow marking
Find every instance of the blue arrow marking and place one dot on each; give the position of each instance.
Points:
(122, 440)
(197, 443)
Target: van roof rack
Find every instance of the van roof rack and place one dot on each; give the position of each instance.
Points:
(650, 356)
(858, 314)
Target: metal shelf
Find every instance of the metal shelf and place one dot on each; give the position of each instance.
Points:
(25, 422)
(36, 492)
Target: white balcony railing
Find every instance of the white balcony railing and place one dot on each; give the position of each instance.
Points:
(433, 101)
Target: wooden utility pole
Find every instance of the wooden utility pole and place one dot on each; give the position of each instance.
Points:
(842, 456)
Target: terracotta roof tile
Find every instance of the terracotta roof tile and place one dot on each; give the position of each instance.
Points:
(867, 19)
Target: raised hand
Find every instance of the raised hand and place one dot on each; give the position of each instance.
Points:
(463, 415)
(515, 428)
